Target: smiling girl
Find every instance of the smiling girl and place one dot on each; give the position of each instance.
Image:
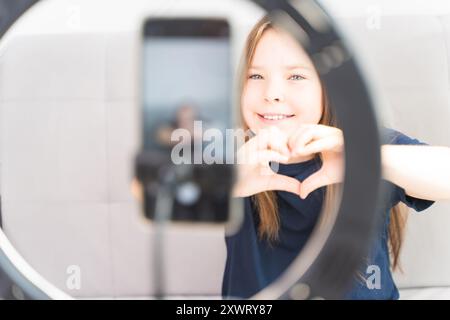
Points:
(284, 104)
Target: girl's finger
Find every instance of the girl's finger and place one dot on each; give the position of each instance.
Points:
(325, 144)
(308, 132)
(258, 141)
(263, 157)
(272, 138)
(311, 134)
(300, 140)
(278, 141)
(282, 183)
(295, 136)
(313, 182)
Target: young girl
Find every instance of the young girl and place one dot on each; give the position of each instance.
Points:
(284, 104)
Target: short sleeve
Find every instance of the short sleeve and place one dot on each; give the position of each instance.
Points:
(392, 136)
(414, 203)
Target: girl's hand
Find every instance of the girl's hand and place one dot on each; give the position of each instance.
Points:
(329, 141)
(254, 173)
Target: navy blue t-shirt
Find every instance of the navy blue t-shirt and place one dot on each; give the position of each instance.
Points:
(252, 263)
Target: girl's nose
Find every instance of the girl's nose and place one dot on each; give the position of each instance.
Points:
(274, 93)
(274, 98)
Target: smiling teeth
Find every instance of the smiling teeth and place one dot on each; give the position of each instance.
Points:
(275, 117)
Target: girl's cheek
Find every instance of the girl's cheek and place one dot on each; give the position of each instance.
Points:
(246, 110)
(249, 101)
(253, 90)
(308, 101)
(249, 121)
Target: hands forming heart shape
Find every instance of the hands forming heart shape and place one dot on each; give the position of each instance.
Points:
(272, 145)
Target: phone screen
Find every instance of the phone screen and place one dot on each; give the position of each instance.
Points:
(187, 77)
(186, 92)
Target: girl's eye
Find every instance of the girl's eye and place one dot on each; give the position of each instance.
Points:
(255, 76)
(297, 77)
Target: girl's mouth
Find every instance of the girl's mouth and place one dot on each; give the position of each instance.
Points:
(272, 117)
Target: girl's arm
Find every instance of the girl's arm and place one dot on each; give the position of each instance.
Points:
(422, 171)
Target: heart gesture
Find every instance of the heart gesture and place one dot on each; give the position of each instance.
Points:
(272, 145)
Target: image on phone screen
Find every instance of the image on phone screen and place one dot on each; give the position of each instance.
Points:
(187, 86)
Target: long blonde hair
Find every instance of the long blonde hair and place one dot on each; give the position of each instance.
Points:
(266, 202)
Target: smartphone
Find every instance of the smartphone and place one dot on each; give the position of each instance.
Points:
(186, 92)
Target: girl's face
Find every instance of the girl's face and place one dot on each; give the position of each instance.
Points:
(282, 87)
